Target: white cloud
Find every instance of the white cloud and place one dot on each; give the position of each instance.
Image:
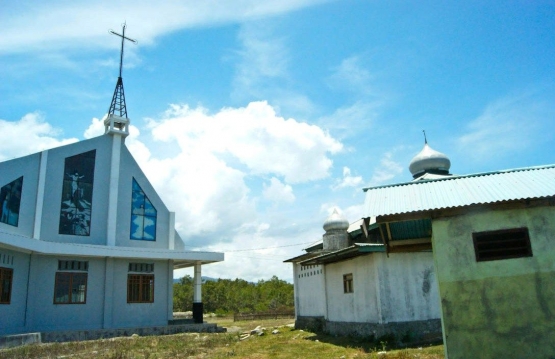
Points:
(347, 180)
(29, 135)
(38, 26)
(278, 191)
(254, 135)
(352, 76)
(386, 171)
(506, 126)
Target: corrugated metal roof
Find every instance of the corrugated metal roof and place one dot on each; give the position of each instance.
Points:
(459, 191)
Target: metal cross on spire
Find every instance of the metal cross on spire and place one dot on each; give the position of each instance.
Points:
(118, 100)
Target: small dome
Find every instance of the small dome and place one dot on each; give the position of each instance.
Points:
(336, 221)
(429, 160)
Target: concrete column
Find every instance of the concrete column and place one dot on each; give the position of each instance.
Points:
(171, 231)
(113, 190)
(107, 320)
(197, 294)
(170, 290)
(40, 194)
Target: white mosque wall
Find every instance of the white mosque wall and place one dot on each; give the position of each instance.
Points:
(408, 287)
(310, 298)
(362, 304)
(400, 288)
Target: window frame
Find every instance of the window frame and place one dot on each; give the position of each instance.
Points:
(492, 245)
(141, 281)
(6, 274)
(70, 281)
(348, 283)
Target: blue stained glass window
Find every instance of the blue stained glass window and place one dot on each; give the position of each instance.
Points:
(10, 200)
(143, 215)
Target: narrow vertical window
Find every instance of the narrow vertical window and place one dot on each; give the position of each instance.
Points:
(77, 193)
(143, 215)
(10, 200)
(6, 277)
(348, 283)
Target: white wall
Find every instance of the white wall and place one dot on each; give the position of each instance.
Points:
(408, 287)
(400, 288)
(362, 304)
(310, 297)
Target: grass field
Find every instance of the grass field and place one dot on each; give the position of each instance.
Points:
(288, 343)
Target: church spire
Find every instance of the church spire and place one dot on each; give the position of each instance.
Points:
(116, 120)
(118, 100)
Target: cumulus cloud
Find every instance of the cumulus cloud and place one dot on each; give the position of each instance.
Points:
(278, 191)
(203, 178)
(256, 136)
(28, 135)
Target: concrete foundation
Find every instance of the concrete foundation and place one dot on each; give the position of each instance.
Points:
(422, 331)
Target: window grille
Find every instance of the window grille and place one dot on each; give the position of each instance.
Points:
(502, 244)
(73, 265)
(141, 267)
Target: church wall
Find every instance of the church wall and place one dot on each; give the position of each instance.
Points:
(408, 287)
(362, 304)
(12, 316)
(129, 170)
(310, 298)
(28, 167)
(140, 314)
(53, 191)
(44, 315)
(501, 308)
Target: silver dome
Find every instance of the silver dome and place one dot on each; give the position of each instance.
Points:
(429, 160)
(336, 222)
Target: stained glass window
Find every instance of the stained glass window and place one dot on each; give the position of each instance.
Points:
(143, 215)
(77, 192)
(10, 199)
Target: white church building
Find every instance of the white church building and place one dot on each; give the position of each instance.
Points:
(86, 243)
(371, 280)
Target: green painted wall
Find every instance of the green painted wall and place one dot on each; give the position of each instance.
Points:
(503, 308)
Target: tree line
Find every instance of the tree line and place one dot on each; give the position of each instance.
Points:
(224, 296)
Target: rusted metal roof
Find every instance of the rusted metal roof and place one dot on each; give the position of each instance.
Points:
(460, 191)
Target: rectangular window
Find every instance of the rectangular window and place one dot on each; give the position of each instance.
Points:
(502, 244)
(6, 276)
(140, 288)
(348, 283)
(70, 288)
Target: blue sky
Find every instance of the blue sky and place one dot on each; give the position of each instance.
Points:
(255, 119)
